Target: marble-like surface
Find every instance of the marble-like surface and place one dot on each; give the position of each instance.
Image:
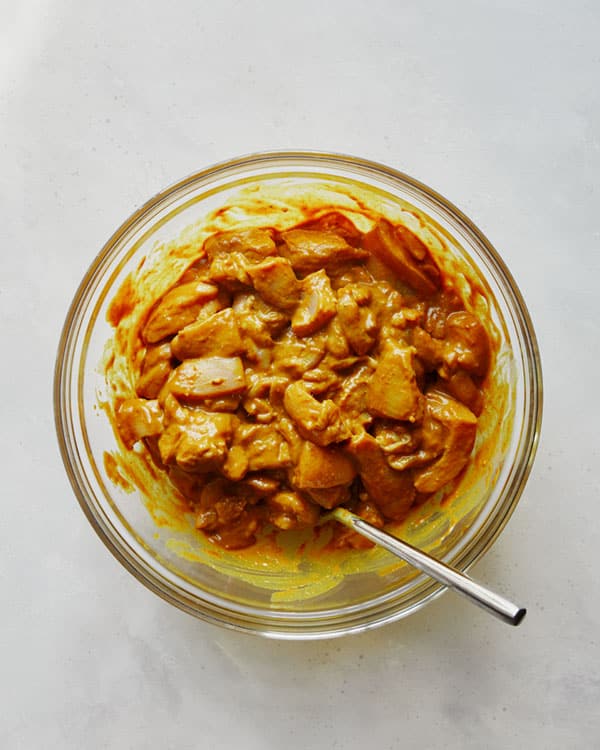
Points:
(495, 104)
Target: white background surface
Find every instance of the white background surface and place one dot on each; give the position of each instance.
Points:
(497, 106)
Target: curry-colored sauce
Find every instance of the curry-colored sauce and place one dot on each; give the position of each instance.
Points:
(113, 472)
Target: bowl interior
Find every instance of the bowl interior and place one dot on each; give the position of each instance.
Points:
(271, 588)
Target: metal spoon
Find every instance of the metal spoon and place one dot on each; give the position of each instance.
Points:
(439, 571)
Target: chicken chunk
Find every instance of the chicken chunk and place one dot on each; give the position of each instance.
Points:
(330, 497)
(391, 491)
(264, 447)
(336, 223)
(262, 485)
(396, 438)
(235, 465)
(460, 385)
(405, 254)
(225, 515)
(258, 319)
(294, 357)
(198, 442)
(208, 377)
(276, 282)
(321, 468)
(467, 344)
(254, 244)
(321, 380)
(309, 250)
(460, 426)
(337, 344)
(357, 319)
(217, 335)
(212, 508)
(138, 418)
(317, 305)
(289, 510)
(425, 444)
(156, 368)
(430, 351)
(240, 532)
(231, 254)
(393, 391)
(220, 302)
(177, 309)
(319, 421)
(194, 451)
(352, 395)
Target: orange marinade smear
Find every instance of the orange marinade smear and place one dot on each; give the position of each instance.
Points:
(288, 372)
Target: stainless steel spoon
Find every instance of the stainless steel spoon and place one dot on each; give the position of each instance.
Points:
(439, 571)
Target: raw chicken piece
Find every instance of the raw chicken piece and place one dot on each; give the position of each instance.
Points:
(289, 510)
(460, 385)
(138, 418)
(198, 441)
(430, 351)
(396, 438)
(231, 254)
(275, 281)
(309, 250)
(294, 357)
(393, 391)
(467, 344)
(319, 421)
(330, 497)
(254, 244)
(460, 429)
(225, 515)
(264, 447)
(336, 223)
(317, 305)
(320, 468)
(337, 344)
(405, 254)
(352, 395)
(177, 309)
(217, 335)
(391, 491)
(156, 368)
(357, 319)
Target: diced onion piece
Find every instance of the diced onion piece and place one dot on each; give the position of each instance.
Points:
(208, 377)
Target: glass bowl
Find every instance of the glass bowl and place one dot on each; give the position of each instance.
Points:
(292, 595)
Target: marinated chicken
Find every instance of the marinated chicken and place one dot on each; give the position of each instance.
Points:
(287, 373)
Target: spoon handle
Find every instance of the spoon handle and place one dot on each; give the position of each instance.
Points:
(439, 571)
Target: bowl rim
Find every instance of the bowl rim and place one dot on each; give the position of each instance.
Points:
(222, 615)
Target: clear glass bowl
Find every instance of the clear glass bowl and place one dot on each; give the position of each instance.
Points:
(304, 598)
